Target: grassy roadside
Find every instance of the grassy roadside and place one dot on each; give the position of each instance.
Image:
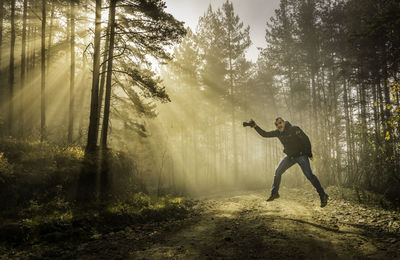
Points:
(37, 206)
(60, 224)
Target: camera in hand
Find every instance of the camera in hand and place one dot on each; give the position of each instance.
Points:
(251, 123)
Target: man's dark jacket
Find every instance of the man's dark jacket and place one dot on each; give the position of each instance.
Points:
(295, 141)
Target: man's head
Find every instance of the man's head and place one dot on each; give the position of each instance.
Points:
(280, 124)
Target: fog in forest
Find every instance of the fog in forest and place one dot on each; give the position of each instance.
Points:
(132, 129)
(177, 97)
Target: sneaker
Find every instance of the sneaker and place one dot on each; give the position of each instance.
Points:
(273, 196)
(324, 200)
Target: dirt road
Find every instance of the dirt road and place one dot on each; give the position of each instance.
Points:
(244, 226)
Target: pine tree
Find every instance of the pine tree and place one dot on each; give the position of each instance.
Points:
(43, 75)
(72, 73)
(94, 104)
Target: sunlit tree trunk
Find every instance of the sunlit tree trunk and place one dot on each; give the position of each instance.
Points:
(43, 75)
(314, 124)
(226, 157)
(104, 65)
(11, 71)
(94, 104)
(72, 74)
(35, 50)
(50, 41)
(84, 91)
(325, 125)
(376, 112)
(183, 166)
(347, 125)
(337, 131)
(380, 103)
(215, 142)
(386, 91)
(353, 143)
(246, 137)
(194, 150)
(28, 119)
(364, 131)
(23, 67)
(233, 115)
(363, 107)
(377, 127)
(104, 132)
(33, 54)
(66, 76)
(232, 96)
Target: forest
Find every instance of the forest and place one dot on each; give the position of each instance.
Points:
(120, 123)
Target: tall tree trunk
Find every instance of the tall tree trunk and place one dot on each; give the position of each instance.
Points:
(43, 74)
(347, 120)
(195, 152)
(104, 65)
(82, 93)
(2, 90)
(376, 114)
(337, 129)
(1, 32)
(314, 109)
(23, 67)
(386, 90)
(364, 131)
(65, 120)
(107, 100)
(215, 148)
(72, 75)
(234, 143)
(183, 158)
(34, 46)
(93, 131)
(11, 72)
(50, 42)
(89, 176)
(380, 103)
(30, 36)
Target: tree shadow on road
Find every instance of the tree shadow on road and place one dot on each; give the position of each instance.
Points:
(254, 236)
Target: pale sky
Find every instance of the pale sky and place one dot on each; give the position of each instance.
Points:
(255, 13)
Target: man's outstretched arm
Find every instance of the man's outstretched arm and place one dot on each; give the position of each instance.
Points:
(262, 132)
(266, 134)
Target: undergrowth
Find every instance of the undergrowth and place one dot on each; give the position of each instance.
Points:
(37, 187)
(60, 220)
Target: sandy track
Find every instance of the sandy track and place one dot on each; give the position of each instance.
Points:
(245, 226)
(242, 225)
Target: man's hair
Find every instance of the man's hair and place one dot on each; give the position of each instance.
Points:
(279, 118)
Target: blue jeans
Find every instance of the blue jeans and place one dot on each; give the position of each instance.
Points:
(304, 163)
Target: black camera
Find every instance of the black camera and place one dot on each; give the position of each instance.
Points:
(251, 123)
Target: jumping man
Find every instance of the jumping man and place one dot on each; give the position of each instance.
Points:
(297, 148)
